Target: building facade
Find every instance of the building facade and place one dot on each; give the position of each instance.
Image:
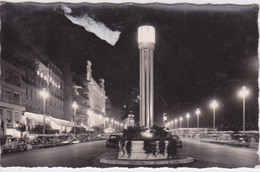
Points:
(39, 76)
(89, 96)
(97, 99)
(12, 90)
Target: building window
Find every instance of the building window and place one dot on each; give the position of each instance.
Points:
(16, 98)
(16, 80)
(9, 119)
(16, 117)
(8, 96)
(8, 76)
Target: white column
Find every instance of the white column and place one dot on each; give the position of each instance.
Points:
(151, 89)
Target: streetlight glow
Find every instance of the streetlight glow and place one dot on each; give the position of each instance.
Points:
(188, 119)
(75, 106)
(197, 112)
(44, 95)
(243, 93)
(214, 105)
(180, 121)
(176, 123)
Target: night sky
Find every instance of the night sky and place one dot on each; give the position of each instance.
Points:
(202, 52)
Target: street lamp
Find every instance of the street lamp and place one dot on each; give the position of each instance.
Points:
(121, 124)
(197, 112)
(214, 105)
(75, 106)
(106, 121)
(44, 95)
(171, 124)
(164, 118)
(112, 125)
(180, 121)
(188, 119)
(243, 93)
(176, 123)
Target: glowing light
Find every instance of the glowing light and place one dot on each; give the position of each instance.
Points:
(244, 92)
(188, 115)
(214, 104)
(146, 34)
(75, 105)
(44, 93)
(180, 118)
(197, 111)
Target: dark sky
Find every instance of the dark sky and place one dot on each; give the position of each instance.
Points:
(202, 52)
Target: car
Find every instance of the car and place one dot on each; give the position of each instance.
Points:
(14, 144)
(179, 142)
(243, 142)
(112, 141)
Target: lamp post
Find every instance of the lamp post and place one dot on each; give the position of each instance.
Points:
(188, 119)
(172, 124)
(243, 93)
(197, 112)
(75, 106)
(176, 123)
(164, 118)
(214, 105)
(180, 121)
(106, 121)
(122, 125)
(112, 121)
(44, 95)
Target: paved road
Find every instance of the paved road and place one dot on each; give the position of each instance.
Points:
(77, 155)
(215, 155)
(88, 154)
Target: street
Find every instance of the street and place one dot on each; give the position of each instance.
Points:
(88, 155)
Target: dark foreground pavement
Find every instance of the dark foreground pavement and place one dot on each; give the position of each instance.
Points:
(88, 155)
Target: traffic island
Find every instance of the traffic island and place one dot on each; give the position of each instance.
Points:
(146, 147)
(115, 161)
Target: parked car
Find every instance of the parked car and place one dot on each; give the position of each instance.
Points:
(84, 138)
(14, 144)
(64, 140)
(242, 141)
(179, 142)
(112, 141)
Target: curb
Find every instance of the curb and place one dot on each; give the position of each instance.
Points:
(115, 161)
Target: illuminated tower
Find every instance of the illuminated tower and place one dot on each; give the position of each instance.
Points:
(146, 42)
